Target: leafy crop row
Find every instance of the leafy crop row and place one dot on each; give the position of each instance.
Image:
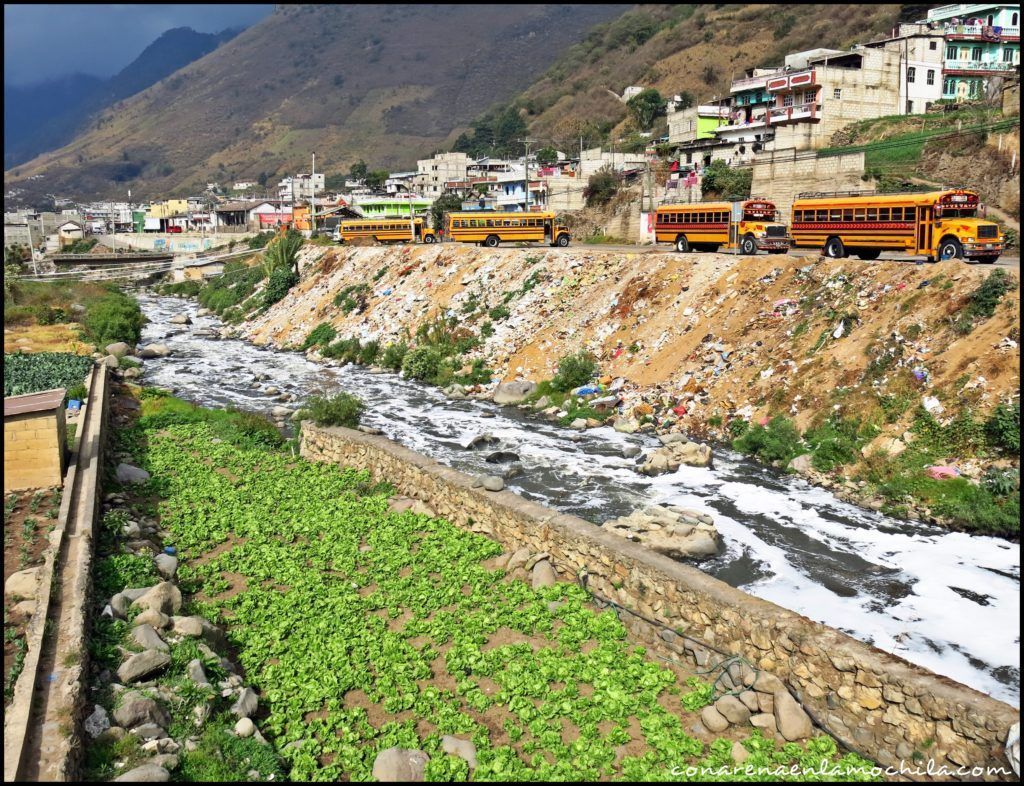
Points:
(31, 373)
(365, 629)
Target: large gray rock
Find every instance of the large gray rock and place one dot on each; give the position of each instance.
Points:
(482, 440)
(732, 709)
(518, 559)
(544, 575)
(714, 720)
(801, 464)
(154, 351)
(110, 361)
(675, 454)
(166, 565)
(165, 597)
(669, 532)
(198, 627)
(513, 392)
(245, 727)
(142, 665)
(464, 749)
(197, 674)
(397, 765)
(180, 319)
(23, 584)
(147, 773)
(625, 425)
(126, 473)
(493, 483)
(148, 638)
(794, 724)
(97, 722)
(136, 709)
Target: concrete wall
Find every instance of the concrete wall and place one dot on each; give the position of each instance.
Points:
(888, 708)
(782, 174)
(183, 243)
(34, 450)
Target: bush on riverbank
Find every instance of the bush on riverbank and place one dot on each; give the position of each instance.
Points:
(112, 318)
(321, 335)
(342, 409)
(573, 371)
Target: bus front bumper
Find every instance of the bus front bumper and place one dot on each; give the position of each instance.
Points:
(982, 249)
(773, 243)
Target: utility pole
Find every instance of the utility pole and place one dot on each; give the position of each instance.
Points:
(526, 170)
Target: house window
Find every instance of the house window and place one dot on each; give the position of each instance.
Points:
(948, 87)
(787, 100)
(951, 53)
(976, 54)
(933, 45)
(930, 78)
(911, 74)
(1013, 20)
(910, 107)
(1008, 55)
(837, 93)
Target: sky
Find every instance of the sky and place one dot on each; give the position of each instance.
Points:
(48, 41)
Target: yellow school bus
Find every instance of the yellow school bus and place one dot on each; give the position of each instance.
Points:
(937, 225)
(490, 228)
(748, 226)
(385, 230)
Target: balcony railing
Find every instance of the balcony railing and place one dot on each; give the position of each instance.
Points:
(758, 122)
(978, 65)
(988, 32)
(789, 114)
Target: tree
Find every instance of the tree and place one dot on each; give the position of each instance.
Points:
(359, 170)
(602, 186)
(442, 205)
(723, 181)
(375, 179)
(547, 156)
(645, 107)
(684, 100)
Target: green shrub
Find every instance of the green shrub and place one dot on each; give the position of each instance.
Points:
(121, 571)
(487, 329)
(984, 300)
(601, 188)
(422, 363)
(345, 349)
(1002, 428)
(837, 441)
(252, 430)
(114, 317)
(342, 409)
(478, 374)
(369, 352)
(280, 281)
(724, 181)
(260, 240)
(323, 333)
(780, 441)
(394, 355)
(573, 371)
(738, 427)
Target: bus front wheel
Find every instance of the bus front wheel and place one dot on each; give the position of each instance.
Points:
(950, 248)
(748, 245)
(492, 241)
(429, 239)
(563, 241)
(867, 256)
(682, 244)
(834, 248)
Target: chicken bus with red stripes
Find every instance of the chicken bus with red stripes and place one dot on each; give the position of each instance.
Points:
(748, 226)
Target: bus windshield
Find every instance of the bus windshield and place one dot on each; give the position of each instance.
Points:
(958, 212)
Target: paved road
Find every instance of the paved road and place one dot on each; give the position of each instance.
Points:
(1012, 262)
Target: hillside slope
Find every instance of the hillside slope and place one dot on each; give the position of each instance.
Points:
(46, 116)
(386, 83)
(863, 358)
(696, 48)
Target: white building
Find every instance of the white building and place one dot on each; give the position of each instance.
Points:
(301, 186)
(433, 173)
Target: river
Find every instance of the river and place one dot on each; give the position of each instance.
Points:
(945, 600)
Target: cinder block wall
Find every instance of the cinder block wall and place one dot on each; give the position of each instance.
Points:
(888, 708)
(34, 454)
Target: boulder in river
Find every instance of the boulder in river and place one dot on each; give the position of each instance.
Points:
(502, 457)
(482, 440)
(674, 455)
(154, 351)
(669, 532)
(180, 319)
(118, 349)
(513, 392)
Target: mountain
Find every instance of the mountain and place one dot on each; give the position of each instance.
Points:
(384, 83)
(46, 116)
(697, 49)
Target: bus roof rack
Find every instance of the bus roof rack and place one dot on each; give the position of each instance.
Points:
(825, 194)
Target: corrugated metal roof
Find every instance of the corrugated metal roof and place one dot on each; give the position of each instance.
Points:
(33, 402)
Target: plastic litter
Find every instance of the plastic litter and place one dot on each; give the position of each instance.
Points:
(840, 329)
(932, 405)
(74, 405)
(587, 390)
(942, 472)
(924, 283)
(170, 550)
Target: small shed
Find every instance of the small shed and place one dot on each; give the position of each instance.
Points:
(34, 440)
(69, 232)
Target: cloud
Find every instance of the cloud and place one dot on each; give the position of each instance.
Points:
(48, 41)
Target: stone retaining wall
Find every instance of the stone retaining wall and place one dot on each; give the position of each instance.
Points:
(879, 704)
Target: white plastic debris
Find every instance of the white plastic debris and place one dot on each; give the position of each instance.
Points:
(932, 405)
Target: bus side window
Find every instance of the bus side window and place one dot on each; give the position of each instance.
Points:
(883, 214)
(858, 214)
(835, 215)
(848, 214)
(872, 214)
(897, 214)
(821, 215)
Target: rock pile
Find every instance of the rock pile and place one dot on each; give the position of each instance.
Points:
(675, 532)
(677, 450)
